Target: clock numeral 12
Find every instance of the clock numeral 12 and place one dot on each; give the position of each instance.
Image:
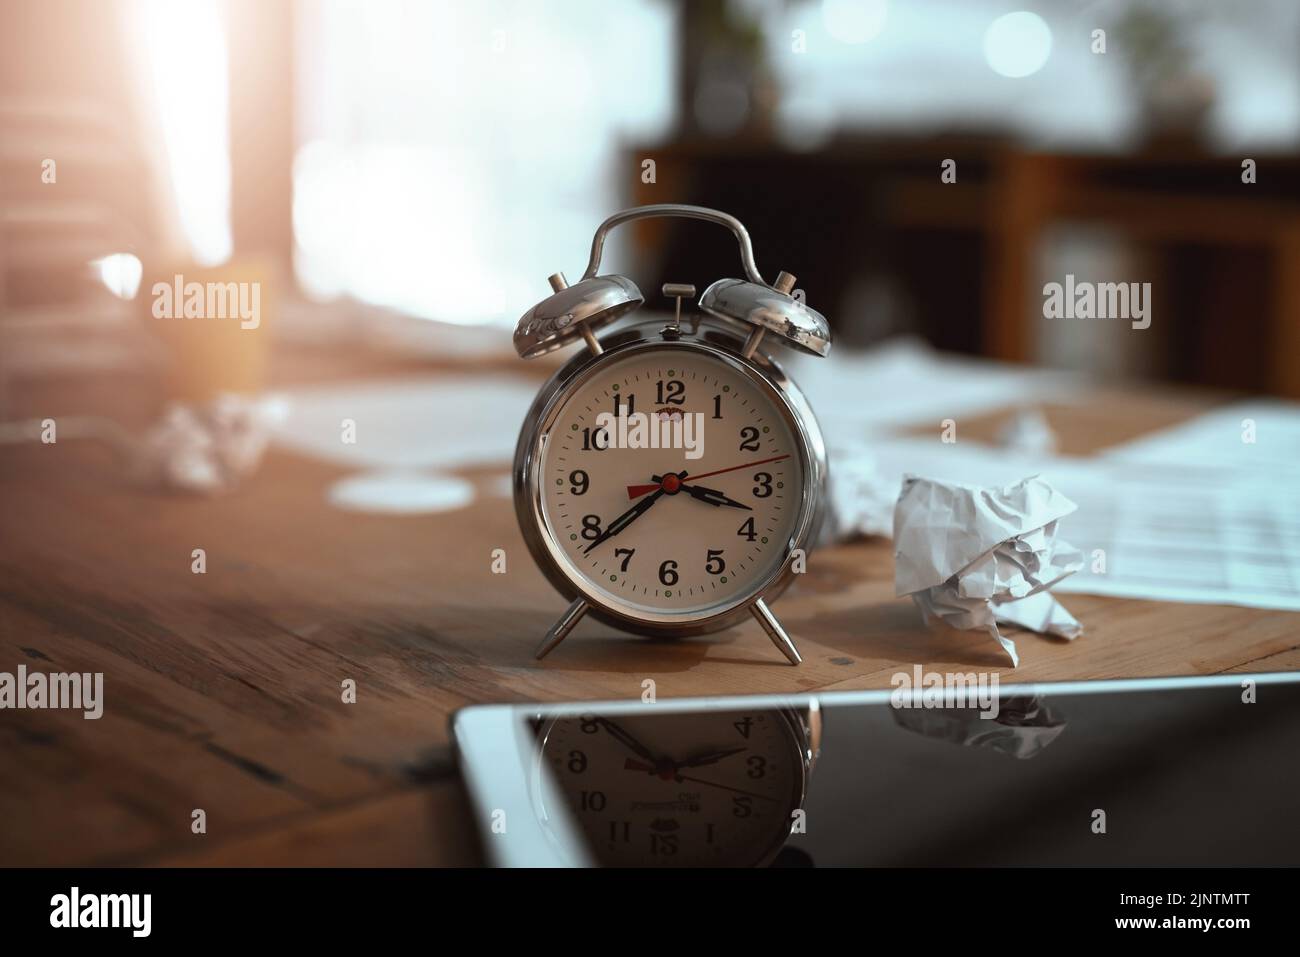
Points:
(665, 844)
(673, 394)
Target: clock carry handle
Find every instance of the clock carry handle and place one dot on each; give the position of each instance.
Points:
(686, 212)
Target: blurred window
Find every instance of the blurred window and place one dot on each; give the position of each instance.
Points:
(453, 155)
(929, 65)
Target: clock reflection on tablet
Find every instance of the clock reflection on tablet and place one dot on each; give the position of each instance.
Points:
(719, 788)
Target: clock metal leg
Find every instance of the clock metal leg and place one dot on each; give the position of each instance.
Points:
(560, 630)
(775, 631)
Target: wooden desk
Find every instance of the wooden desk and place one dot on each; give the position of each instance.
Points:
(222, 690)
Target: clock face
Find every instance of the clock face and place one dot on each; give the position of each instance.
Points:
(693, 526)
(676, 790)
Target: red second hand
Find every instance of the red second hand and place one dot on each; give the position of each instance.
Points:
(635, 491)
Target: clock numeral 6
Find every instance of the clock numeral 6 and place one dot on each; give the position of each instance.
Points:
(749, 439)
(579, 482)
(763, 484)
(668, 572)
(715, 565)
(591, 527)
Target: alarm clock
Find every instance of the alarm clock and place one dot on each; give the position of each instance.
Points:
(712, 788)
(669, 477)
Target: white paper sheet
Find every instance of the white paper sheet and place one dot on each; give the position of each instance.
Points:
(1196, 514)
(903, 383)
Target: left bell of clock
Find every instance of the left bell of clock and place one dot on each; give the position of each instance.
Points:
(574, 312)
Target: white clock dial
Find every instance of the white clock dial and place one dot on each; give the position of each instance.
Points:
(678, 789)
(662, 529)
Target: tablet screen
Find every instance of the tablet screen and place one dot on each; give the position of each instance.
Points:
(1202, 775)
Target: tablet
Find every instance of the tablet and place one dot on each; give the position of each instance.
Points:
(941, 770)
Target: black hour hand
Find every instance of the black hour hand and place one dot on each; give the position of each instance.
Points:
(710, 495)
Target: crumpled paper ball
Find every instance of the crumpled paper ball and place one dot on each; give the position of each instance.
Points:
(208, 448)
(973, 557)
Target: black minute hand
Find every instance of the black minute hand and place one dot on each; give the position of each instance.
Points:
(624, 520)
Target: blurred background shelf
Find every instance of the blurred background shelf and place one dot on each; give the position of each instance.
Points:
(886, 247)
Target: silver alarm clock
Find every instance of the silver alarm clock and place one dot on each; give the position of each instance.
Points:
(668, 477)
